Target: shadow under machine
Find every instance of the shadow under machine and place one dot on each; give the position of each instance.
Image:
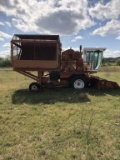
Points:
(41, 58)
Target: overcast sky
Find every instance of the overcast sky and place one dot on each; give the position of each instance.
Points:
(91, 23)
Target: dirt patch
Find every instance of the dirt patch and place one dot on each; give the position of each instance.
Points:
(110, 69)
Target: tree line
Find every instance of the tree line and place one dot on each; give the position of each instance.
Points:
(112, 62)
(5, 62)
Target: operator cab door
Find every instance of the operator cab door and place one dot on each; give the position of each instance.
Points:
(94, 56)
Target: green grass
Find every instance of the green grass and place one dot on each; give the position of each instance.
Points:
(58, 124)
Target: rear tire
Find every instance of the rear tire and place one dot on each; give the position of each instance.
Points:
(34, 87)
(78, 82)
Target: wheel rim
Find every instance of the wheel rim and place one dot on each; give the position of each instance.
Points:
(79, 84)
(34, 88)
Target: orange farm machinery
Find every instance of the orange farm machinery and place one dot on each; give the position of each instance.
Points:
(41, 58)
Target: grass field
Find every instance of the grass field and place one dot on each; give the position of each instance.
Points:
(58, 124)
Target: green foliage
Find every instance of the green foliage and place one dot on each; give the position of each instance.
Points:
(104, 60)
(5, 62)
(118, 62)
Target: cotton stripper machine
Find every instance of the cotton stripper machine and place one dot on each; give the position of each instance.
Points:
(41, 58)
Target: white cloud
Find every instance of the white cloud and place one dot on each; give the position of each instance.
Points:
(2, 24)
(6, 50)
(64, 17)
(76, 38)
(74, 48)
(5, 53)
(7, 45)
(23, 26)
(106, 11)
(5, 23)
(118, 38)
(110, 10)
(5, 35)
(1, 39)
(112, 27)
(110, 53)
(8, 24)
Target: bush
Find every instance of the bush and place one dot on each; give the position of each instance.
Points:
(118, 62)
(5, 62)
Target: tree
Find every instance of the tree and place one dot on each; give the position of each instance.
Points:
(104, 61)
(118, 61)
(5, 62)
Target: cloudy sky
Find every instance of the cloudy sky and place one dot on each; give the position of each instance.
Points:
(91, 23)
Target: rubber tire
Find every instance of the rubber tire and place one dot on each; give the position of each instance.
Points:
(82, 78)
(34, 87)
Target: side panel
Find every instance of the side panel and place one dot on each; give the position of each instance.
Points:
(35, 54)
(32, 64)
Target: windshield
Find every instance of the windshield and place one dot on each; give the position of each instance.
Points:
(95, 57)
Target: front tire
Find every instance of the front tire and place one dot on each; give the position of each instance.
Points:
(34, 87)
(78, 82)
